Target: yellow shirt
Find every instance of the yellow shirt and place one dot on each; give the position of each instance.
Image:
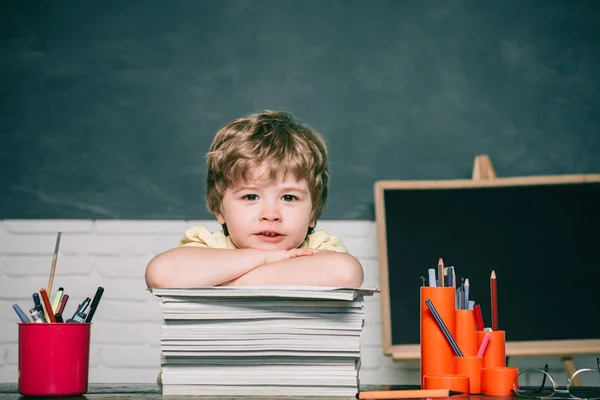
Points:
(199, 236)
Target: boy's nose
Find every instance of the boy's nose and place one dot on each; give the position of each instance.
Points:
(270, 213)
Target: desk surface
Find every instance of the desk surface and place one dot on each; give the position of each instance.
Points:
(138, 391)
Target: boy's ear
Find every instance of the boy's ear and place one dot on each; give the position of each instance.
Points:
(220, 219)
(312, 224)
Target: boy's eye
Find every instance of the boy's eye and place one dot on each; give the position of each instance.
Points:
(289, 197)
(250, 197)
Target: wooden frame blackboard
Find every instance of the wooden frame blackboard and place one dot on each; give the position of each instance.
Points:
(398, 299)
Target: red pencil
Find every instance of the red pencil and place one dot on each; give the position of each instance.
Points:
(494, 301)
(47, 305)
(478, 317)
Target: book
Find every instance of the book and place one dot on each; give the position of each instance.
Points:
(261, 341)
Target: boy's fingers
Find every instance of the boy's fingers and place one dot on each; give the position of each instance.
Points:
(300, 252)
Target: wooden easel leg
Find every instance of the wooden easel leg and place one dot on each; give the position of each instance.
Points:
(570, 369)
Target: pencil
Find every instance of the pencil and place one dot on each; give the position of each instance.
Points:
(53, 268)
(441, 273)
(484, 344)
(442, 325)
(47, 305)
(478, 317)
(406, 394)
(494, 301)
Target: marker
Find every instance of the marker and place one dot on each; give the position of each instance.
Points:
(63, 303)
(80, 317)
(57, 297)
(82, 307)
(58, 317)
(47, 305)
(20, 313)
(36, 316)
(94, 305)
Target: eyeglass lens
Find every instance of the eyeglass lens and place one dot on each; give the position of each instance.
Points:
(534, 383)
(590, 384)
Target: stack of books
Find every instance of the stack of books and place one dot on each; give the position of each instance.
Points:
(261, 341)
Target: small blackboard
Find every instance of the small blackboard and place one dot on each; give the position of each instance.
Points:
(539, 234)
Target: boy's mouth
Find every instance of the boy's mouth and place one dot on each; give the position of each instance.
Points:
(269, 234)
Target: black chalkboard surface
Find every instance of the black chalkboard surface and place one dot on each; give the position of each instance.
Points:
(539, 234)
(107, 108)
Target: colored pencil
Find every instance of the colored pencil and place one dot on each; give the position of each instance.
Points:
(440, 273)
(407, 394)
(47, 306)
(443, 327)
(494, 301)
(484, 344)
(478, 317)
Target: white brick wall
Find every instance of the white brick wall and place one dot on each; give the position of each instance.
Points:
(125, 334)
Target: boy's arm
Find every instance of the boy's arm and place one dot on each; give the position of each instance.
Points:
(321, 269)
(187, 267)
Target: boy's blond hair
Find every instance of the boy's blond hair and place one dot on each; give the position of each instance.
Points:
(275, 139)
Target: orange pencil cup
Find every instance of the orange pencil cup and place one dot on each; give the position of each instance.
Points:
(495, 353)
(436, 352)
(457, 383)
(498, 381)
(471, 367)
(466, 332)
(54, 358)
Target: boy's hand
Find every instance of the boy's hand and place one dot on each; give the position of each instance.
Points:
(272, 256)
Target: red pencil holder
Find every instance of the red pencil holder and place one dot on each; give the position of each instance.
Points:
(54, 358)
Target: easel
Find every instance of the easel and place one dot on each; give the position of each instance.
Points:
(483, 169)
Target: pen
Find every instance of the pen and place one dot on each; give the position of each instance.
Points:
(94, 305)
(37, 303)
(57, 298)
(58, 317)
(36, 316)
(47, 305)
(20, 313)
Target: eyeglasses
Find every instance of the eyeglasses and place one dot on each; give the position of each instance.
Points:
(537, 383)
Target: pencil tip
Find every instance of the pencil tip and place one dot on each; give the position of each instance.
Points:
(467, 282)
(440, 261)
(493, 275)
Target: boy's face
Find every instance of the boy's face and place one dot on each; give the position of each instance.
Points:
(267, 214)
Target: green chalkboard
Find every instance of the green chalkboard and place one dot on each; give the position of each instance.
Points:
(107, 108)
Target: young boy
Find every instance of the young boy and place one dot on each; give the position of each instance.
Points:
(267, 186)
